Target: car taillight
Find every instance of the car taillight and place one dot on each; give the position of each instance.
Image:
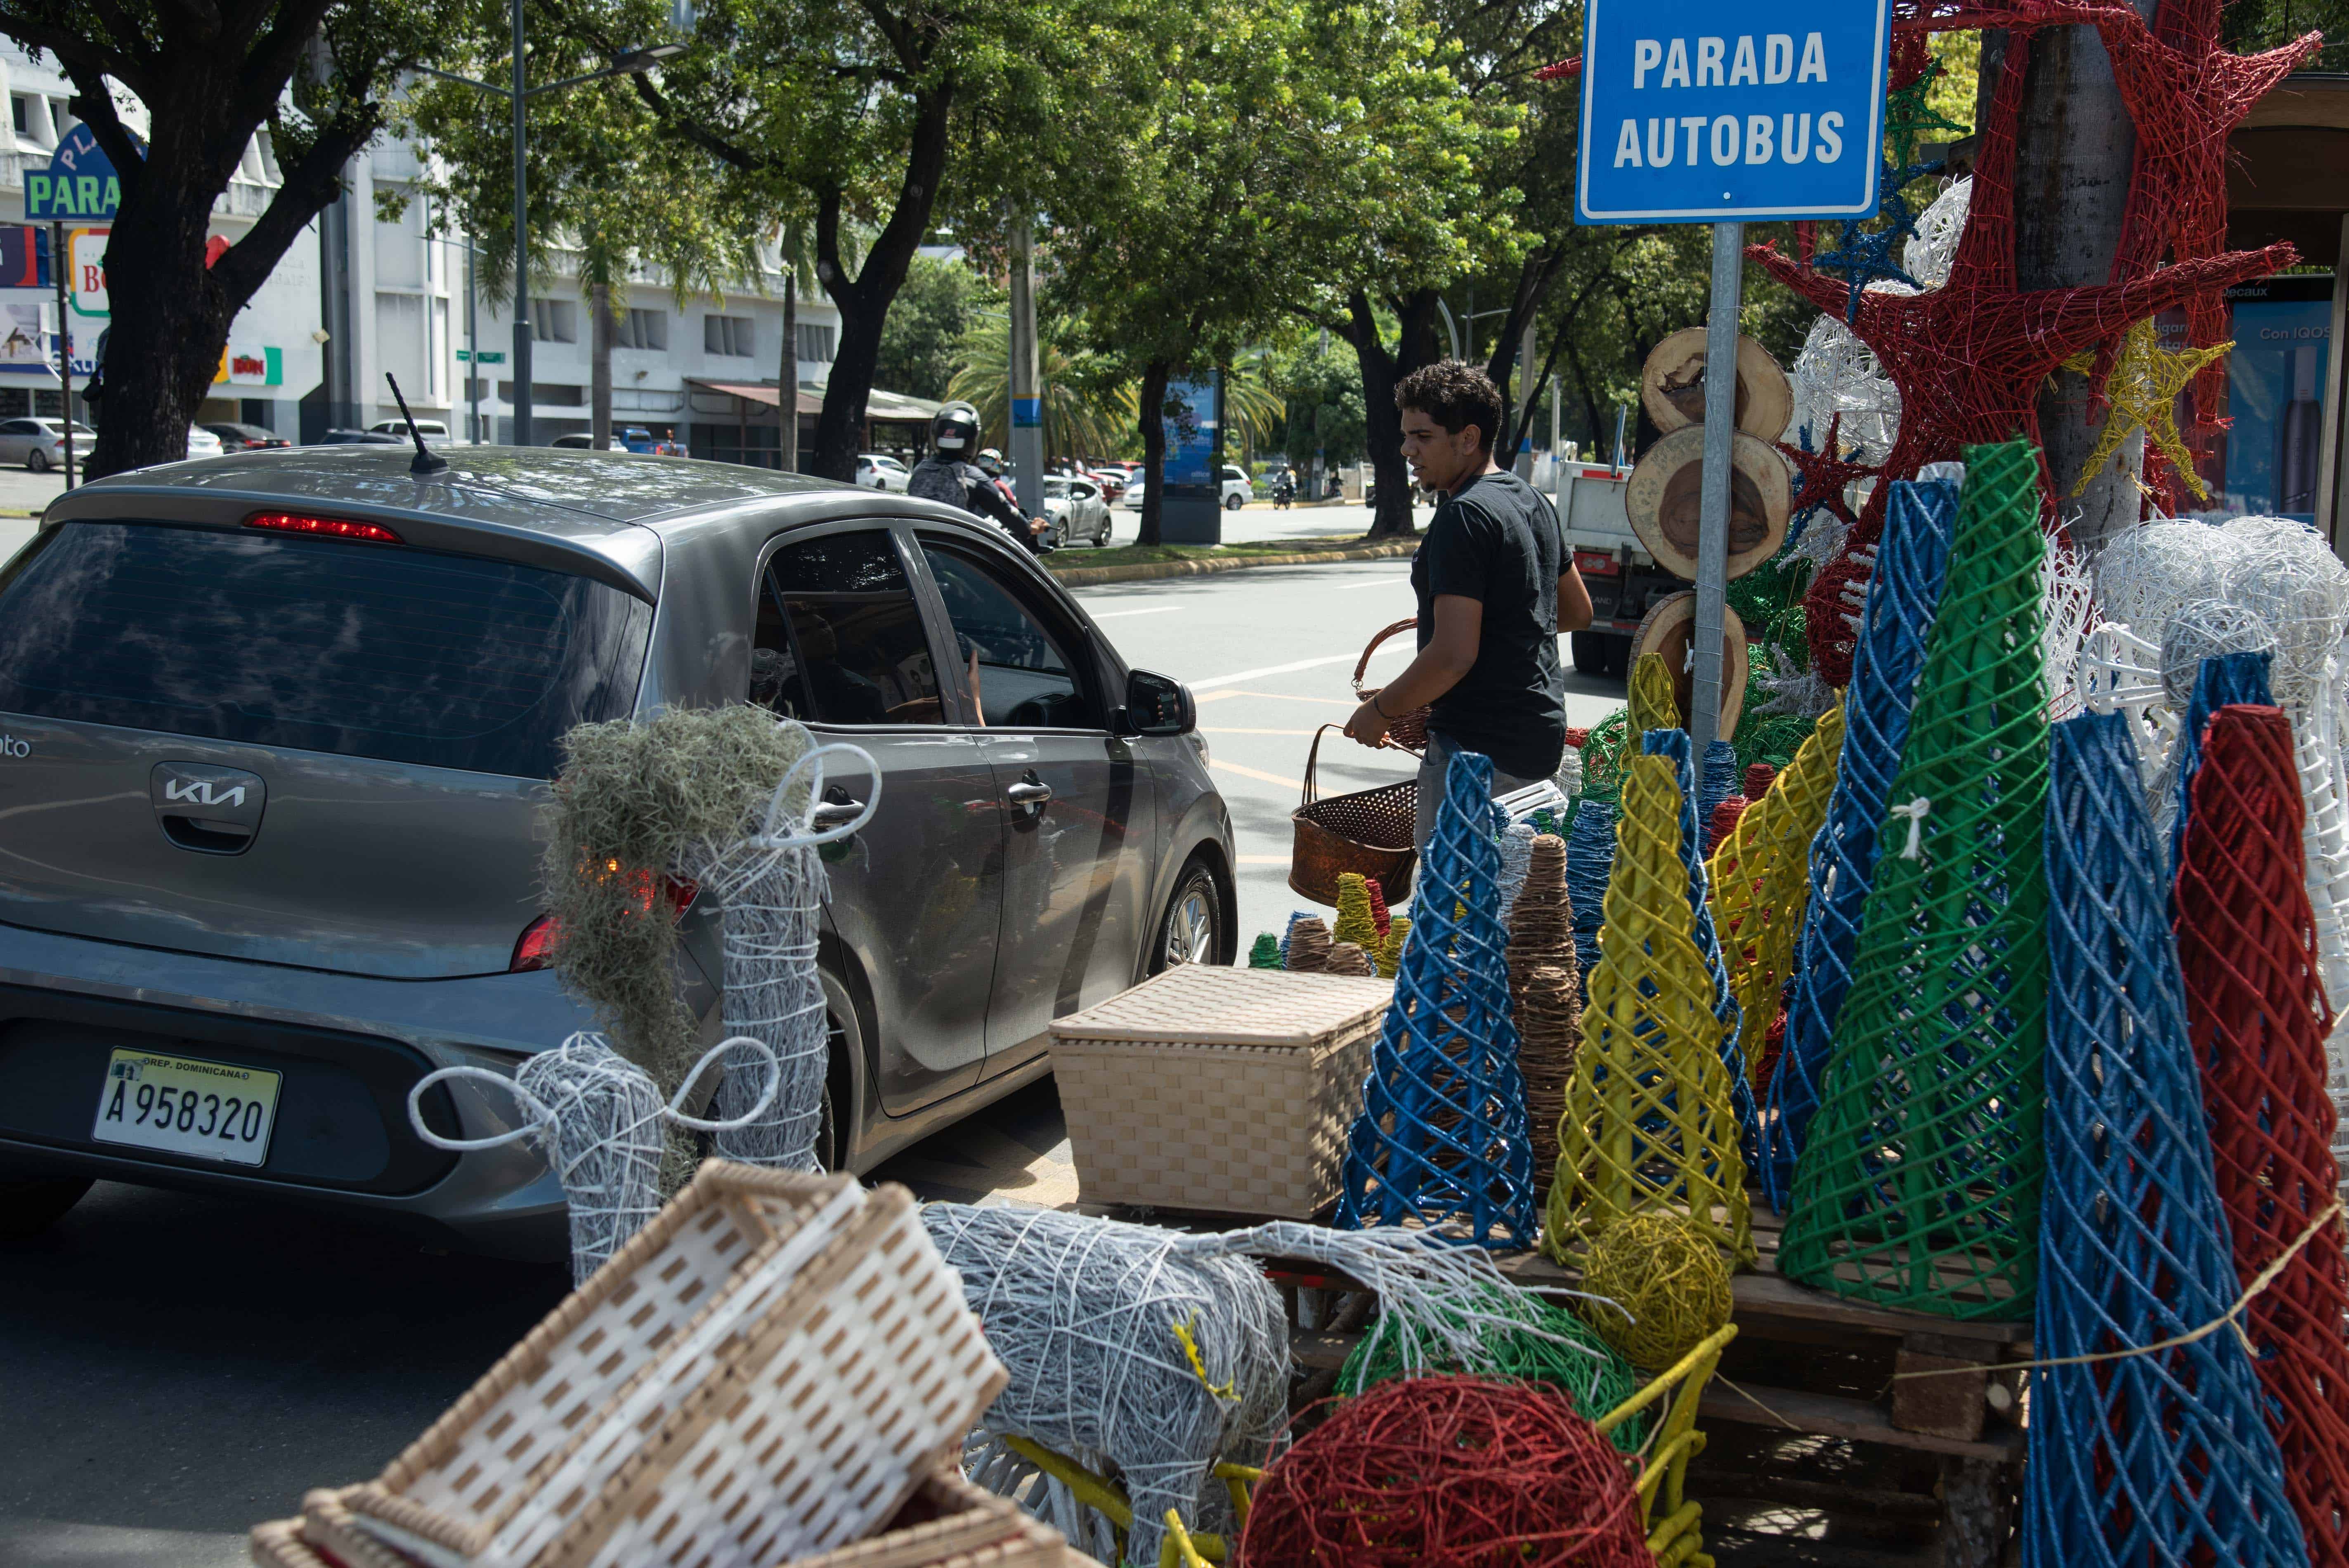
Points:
(326, 527)
(536, 948)
(1595, 563)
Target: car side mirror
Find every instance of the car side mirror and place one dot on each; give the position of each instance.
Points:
(1158, 705)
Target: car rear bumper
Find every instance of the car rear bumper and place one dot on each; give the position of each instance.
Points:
(349, 1047)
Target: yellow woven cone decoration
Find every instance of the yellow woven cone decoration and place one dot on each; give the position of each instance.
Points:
(1355, 923)
(1648, 1127)
(1761, 879)
(1654, 703)
(1389, 954)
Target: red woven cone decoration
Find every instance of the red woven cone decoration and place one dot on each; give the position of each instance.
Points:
(1379, 914)
(1969, 357)
(1759, 776)
(2255, 1006)
(1725, 813)
(1445, 1472)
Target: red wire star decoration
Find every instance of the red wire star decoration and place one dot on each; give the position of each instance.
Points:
(1969, 356)
(1821, 476)
(1551, 73)
(2186, 95)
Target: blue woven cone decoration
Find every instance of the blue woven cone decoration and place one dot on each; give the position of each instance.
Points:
(1589, 863)
(2218, 680)
(1910, 559)
(1722, 778)
(2165, 1457)
(1675, 743)
(1442, 1139)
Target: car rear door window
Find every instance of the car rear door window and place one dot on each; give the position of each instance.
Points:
(840, 637)
(360, 650)
(1020, 675)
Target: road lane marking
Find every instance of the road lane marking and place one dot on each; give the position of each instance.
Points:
(1256, 773)
(1241, 729)
(1291, 668)
(1287, 696)
(1403, 578)
(1156, 610)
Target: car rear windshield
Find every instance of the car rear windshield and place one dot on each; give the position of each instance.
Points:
(363, 650)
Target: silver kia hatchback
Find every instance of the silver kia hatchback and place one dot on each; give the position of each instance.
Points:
(275, 729)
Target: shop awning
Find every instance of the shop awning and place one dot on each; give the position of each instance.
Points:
(879, 404)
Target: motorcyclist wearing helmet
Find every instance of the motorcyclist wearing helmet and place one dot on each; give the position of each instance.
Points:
(946, 474)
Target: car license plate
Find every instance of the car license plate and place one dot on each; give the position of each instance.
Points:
(180, 1105)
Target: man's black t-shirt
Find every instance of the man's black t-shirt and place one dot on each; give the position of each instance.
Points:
(1497, 540)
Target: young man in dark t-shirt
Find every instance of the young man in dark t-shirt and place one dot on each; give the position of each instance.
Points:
(1495, 587)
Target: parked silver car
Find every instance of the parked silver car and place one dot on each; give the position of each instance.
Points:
(275, 729)
(40, 444)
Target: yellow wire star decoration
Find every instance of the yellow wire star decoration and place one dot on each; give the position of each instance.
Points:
(2143, 393)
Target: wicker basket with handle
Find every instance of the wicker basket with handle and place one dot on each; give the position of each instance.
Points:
(1407, 732)
(765, 1372)
(1368, 831)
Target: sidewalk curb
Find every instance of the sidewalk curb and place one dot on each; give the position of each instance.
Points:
(1087, 576)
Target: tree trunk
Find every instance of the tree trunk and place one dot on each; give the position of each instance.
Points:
(865, 303)
(2074, 144)
(599, 367)
(787, 403)
(1415, 347)
(1152, 403)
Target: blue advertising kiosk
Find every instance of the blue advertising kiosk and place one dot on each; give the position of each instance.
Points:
(1726, 112)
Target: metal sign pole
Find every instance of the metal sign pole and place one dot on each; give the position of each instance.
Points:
(1713, 515)
(65, 340)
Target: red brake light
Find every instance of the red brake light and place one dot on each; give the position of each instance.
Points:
(1594, 562)
(536, 948)
(327, 527)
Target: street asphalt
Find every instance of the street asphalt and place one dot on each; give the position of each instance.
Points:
(173, 1368)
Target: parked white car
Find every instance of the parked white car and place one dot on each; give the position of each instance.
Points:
(40, 444)
(434, 432)
(878, 470)
(577, 440)
(1078, 508)
(203, 443)
(1237, 492)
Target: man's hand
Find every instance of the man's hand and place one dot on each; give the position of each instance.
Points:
(1037, 525)
(1367, 725)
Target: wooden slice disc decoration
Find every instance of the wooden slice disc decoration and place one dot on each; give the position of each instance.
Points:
(1672, 386)
(1668, 484)
(1669, 628)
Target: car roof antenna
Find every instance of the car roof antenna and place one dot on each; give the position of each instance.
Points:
(426, 461)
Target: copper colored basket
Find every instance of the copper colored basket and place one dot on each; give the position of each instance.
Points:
(1409, 732)
(1369, 831)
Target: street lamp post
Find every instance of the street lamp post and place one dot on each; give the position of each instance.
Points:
(633, 62)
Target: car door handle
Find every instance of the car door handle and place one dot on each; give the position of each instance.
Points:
(1027, 792)
(831, 813)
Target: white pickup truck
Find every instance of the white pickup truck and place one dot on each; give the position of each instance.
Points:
(1624, 578)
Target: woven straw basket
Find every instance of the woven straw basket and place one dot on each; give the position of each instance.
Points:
(1224, 1090)
(1407, 732)
(764, 1373)
(1368, 831)
(947, 1524)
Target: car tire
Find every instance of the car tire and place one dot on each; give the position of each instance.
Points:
(1591, 656)
(38, 460)
(1191, 931)
(1233, 503)
(29, 1207)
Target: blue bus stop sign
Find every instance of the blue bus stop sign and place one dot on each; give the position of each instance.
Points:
(79, 185)
(1711, 111)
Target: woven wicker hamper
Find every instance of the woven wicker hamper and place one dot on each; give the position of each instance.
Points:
(947, 1524)
(1223, 1090)
(766, 1371)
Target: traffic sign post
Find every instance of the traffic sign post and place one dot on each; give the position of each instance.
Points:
(1726, 112)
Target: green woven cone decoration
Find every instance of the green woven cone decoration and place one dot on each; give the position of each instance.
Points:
(1919, 1188)
(1266, 954)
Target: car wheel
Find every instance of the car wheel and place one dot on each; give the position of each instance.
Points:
(1232, 503)
(38, 460)
(1192, 929)
(30, 1207)
(1590, 653)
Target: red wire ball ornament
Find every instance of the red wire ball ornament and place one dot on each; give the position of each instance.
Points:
(1445, 1472)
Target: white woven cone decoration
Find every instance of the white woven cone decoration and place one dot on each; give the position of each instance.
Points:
(771, 887)
(2071, 614)
(600, 1121)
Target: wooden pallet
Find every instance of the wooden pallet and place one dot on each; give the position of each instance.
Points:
(1810, 1365)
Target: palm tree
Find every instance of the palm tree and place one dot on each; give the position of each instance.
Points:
(1251, 407)
(1079, 419)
